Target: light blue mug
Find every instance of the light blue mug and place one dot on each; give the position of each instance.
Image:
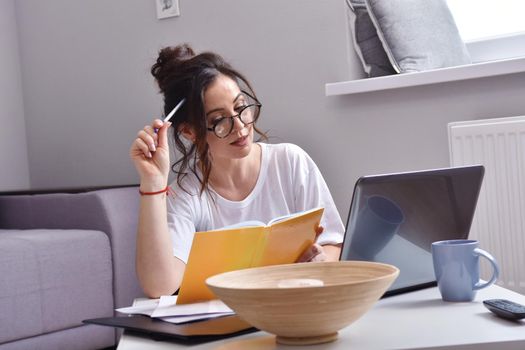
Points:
(456, 265)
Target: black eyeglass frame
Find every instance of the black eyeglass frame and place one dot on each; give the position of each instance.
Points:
(238, 115)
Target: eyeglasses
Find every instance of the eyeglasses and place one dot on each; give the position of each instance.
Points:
(222, 127)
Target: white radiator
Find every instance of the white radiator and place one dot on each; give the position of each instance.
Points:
(499, 222)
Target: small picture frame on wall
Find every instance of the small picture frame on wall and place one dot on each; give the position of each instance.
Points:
(167, 8)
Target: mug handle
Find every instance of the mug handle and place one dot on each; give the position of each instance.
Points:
(495, 268)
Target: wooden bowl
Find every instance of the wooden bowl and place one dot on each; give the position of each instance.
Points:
(304, 303)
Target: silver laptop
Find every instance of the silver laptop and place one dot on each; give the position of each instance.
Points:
(394, 218)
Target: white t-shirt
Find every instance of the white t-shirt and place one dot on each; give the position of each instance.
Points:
(288, 182)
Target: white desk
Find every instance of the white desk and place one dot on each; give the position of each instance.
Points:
(417, 320)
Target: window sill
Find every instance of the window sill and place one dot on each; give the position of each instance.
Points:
(443, 75)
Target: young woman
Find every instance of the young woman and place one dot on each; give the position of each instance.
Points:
(223, 175)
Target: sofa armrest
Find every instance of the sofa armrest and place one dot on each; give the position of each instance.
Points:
(113, 211)
(121, 209)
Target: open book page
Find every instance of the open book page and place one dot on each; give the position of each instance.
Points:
(251, 223)
(294, 215)
(254, 223)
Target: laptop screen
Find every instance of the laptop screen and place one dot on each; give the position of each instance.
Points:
(394, 218)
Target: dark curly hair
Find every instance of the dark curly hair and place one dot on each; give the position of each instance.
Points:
(180, 73)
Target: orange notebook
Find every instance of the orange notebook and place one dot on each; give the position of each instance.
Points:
(246, 245)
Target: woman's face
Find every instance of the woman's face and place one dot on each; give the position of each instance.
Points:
(223, 98)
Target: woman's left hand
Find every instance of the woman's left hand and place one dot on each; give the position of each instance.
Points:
(315, 253)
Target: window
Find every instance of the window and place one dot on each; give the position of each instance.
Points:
(481, 19)
(492, 30)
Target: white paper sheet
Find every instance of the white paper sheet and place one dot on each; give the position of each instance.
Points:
(184, 319)
(144, 307)
(166, 309)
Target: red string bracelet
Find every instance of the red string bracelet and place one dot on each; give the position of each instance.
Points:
(154, 193)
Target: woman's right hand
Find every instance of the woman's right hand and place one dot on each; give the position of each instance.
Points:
(150, 155)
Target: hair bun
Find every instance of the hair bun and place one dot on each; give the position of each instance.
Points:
(168, 62)
(178, 53)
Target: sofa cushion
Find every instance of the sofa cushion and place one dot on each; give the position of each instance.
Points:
(418, 35)
(87, 337)
(366, 42)
(52, 280)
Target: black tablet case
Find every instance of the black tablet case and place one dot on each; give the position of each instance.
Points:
(191, 332)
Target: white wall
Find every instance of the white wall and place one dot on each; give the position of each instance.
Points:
(87, 89)
(14, 171)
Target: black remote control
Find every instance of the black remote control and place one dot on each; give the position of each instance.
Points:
(505, 308)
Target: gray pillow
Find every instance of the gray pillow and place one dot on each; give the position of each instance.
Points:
(366, 43)
(418, 35)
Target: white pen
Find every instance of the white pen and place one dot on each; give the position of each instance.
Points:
(168, 117)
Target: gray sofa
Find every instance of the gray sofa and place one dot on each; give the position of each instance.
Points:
(65, 257)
